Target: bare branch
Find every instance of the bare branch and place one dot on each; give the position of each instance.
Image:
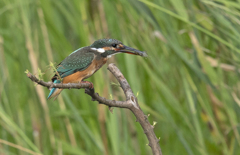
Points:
(95, 96)
(130, 103)
(141, 118)
(57, 85)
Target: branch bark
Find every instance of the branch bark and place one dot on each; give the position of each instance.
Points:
(131, 102)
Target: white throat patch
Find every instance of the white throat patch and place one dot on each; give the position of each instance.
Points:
(100, 50)
(109, 56)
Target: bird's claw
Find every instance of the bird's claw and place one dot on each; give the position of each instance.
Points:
(91, 84)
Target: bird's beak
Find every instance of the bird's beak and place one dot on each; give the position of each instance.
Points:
(130, 50)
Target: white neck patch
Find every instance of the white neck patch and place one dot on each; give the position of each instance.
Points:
(100, 50)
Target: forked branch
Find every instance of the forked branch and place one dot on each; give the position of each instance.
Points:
(130, 103)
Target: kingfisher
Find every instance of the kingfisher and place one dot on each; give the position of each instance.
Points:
(85, 61)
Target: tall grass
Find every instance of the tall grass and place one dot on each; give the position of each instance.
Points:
(189, 84)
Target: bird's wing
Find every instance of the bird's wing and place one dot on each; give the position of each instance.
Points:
(77, 61)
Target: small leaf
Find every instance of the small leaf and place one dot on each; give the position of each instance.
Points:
(115, 84)
(137, 94)
(111, 97)
(40, 74)
(52, 65)
(154, 123)
(27, 71)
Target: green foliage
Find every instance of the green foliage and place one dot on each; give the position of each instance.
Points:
(189, 84)
(53, 67)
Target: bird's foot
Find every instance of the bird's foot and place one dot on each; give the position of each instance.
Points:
(90, 90)
(91, 84)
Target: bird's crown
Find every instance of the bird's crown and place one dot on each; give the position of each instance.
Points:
(105, 43)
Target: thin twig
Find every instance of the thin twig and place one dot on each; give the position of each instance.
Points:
(130, 103)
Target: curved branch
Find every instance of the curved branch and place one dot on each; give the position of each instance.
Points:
(130, 103)
(141, 118)
(57, 85)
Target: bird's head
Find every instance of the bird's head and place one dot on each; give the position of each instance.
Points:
(109, 47)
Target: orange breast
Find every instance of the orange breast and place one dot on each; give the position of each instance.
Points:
(81, 75)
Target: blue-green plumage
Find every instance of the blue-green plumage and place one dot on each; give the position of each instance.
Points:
(76, 61)
(53, 89)
(87, 60)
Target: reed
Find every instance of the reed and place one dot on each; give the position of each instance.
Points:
(189, 84)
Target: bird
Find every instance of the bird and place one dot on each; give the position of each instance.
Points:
(85, 61)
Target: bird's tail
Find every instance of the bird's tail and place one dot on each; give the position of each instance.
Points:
(54, 91)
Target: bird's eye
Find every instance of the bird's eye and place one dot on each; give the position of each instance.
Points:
(114, 45)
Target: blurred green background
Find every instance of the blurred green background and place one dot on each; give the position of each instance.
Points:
(189, 84)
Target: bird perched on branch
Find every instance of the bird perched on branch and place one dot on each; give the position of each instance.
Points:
(85, 61)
